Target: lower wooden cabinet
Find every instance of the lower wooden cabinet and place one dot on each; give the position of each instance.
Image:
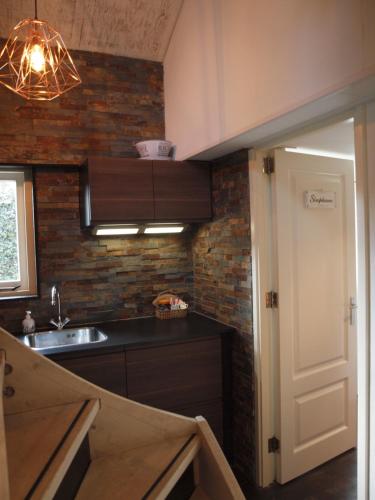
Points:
(185, 378)
(175, 376)
(212, 411)
(105, 370)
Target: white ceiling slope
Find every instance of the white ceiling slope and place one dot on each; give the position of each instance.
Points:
(132, 28)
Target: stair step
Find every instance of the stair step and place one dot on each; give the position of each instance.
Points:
(41, 445)
(145, 472)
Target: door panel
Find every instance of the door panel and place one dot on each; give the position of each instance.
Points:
(316, 279)
(312, 422)
(182, 190)
(121, 190)
(317, 282)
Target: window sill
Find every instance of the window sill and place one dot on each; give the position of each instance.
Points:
(21, 296)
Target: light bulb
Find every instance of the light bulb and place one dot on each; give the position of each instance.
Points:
(37, 60)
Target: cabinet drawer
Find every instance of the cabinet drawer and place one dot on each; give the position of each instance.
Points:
(175, 376)
(212, 411)
(106, 371)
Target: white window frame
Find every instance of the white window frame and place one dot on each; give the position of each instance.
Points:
(27, 285)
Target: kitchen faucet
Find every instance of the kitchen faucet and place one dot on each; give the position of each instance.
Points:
(55, 296)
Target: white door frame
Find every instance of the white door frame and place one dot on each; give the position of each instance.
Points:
(264, 319)
(369, 155)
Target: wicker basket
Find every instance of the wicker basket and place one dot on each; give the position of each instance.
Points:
(178, 313)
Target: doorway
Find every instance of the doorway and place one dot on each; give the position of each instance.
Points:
(305, 237)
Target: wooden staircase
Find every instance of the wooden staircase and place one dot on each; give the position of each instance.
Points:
(48, 416)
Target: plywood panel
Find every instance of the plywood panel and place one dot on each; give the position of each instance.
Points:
(122, 428)
(135, 29)
(129, 475)
(32, 437)
(131, 425)
(215, 476)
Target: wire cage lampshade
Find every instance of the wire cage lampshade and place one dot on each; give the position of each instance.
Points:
(35, 63)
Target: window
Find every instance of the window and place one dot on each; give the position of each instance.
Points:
(17, 241)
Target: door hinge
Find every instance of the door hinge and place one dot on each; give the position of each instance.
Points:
(268, 165)
(272, 300)
(273, 445)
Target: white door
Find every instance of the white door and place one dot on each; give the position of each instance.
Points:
(313, 211)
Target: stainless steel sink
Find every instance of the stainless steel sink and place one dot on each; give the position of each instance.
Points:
(62, 338)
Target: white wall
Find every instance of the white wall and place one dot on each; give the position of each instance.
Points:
(235, 64)
(370, 139)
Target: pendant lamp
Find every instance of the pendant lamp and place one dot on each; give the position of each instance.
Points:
(35, 63)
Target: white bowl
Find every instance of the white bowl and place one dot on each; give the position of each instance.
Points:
(154, 150)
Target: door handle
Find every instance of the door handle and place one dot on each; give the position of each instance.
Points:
(352, 310)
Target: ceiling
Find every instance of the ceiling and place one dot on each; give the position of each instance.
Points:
(132, 28)
(336, 139)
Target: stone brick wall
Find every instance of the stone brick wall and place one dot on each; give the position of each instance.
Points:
(222, 290)
(119, 103)
(99, 278)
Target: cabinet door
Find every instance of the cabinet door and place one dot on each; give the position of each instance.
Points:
(182, 190)
(121, 190)
(212, 411)
(175, 376)
(106, 370)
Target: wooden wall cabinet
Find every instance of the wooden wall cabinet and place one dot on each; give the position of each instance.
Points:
(126, 190)
(116, 190)
(181, 189)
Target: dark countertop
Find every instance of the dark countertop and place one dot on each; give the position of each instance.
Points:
(145, 332)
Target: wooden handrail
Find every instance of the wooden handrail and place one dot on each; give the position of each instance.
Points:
(215, 476)
(4, 476)
(131, 444)
(165, 483)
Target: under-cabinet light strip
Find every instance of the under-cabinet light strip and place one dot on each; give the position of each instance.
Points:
(152, 228)
(164, 229)
(115, 231)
